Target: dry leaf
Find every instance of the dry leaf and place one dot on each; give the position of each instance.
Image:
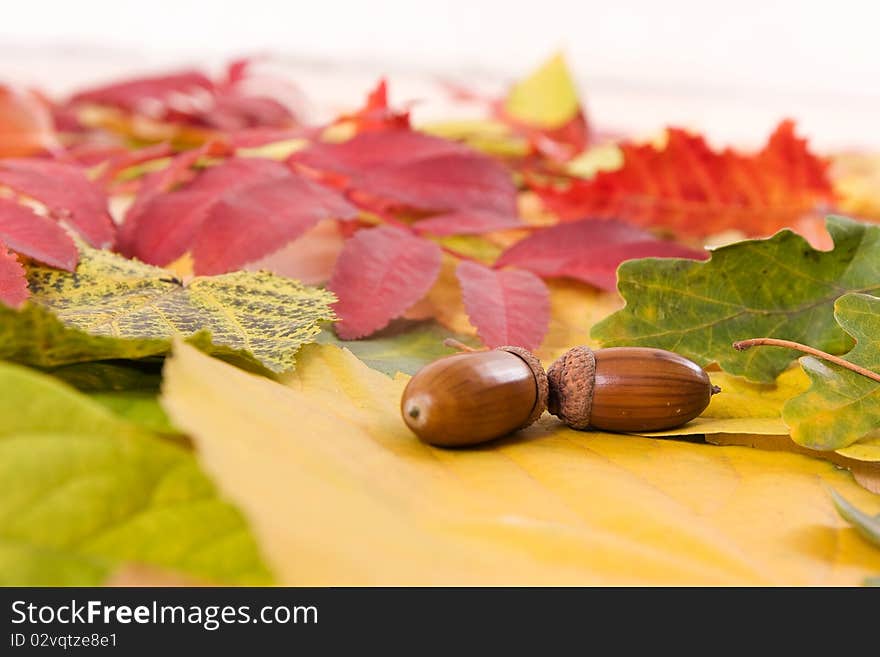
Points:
(339, 492)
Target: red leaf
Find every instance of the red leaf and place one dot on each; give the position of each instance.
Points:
(162, 230)
(375, 149)
(66, 191)
(252, 222)
(447, 182)
(509, 307)
(190, 97)
(561, 143)
(13, 284)
(134, 95)
(228, 215)
(694, 190)
(232, 112)
(416, 170)
(178, 171)
(380, 273)
(376, 114)
(466, 222)
(25, 124)
(160, 227)
(589, 250)
(35, 236)
(121, 160)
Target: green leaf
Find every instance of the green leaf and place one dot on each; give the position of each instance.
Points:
(777, 287)
(547, 98)
(85, 492)
(138, 407)
(106, 376)
(868, 526)
(112, 308)
(841, 406)
(404, 346)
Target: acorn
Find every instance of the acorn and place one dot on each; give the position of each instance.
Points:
(476, 396)
(470, 398)
(627, 389)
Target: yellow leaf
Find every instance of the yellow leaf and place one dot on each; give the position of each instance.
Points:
(276, 150)
(545, 99)
(744, 407)
(492, 137)
(338, 492)
(867, 449)
(443, 301)
(856, 179)
(604, 157)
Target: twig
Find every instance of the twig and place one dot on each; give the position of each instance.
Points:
(742, 345)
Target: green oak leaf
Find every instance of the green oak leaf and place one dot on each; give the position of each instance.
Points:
(112, 308)
(777, 287)
(841, 406)
(85, 492)
(404, 346)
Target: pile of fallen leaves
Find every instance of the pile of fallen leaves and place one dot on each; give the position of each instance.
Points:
(209, 309)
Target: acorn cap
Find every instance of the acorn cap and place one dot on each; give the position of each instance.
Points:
(543, 395)
(572, 377)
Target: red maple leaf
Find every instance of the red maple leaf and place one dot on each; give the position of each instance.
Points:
(380, 273)
(13, 284)
(508, 307)
(691, 189)
(589, 250)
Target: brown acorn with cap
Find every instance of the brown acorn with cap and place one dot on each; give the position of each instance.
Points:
(476, 396)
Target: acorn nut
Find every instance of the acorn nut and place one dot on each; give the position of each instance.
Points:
(627, 389)
(472, 397)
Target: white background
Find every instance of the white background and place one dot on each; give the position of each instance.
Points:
(733, 67)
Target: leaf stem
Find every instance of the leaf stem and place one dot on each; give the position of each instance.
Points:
(742, 345)
(456, 344)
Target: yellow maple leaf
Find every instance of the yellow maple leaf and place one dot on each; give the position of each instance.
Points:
(338, 492)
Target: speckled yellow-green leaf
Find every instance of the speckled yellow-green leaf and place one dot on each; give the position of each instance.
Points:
(126, 309)
(547, 98)
(85, 492)
(841, 406)
(777, 287)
